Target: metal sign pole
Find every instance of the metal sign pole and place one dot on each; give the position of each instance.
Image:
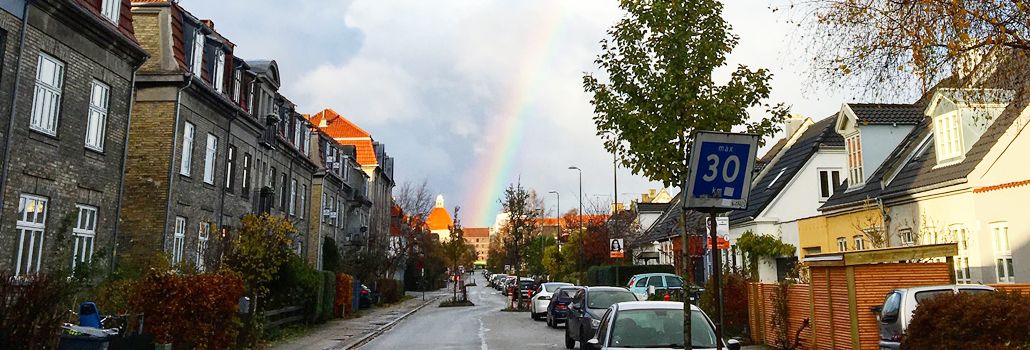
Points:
(717, 274)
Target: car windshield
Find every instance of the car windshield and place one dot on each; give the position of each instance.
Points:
(568, 293)
(551, 287)
(659, 329)
(602, 299)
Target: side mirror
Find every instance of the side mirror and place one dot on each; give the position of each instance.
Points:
(594, 341)
(876, 309)
(733, 344)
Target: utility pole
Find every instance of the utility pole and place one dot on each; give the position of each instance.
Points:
(557, 210)
(582, 235)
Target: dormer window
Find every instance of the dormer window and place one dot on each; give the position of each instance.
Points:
(197, 60)
(219, 73)
(853, 144)
(237, 85)
(948, 136)
(110, 9)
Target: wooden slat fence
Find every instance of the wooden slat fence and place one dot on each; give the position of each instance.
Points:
(284, 316)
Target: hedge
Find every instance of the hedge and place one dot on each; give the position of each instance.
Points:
(390, 290)
(325, 297)
(970, 321)
(619, 275)
(195, 311)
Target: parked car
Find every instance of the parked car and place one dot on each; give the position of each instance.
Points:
(542, 298)
(527, 286)
(365, 299)
(558, 308)
(638, 284)
(495, 280)
(900, 304)
(654, 325)
(506, 283)
(585, 312)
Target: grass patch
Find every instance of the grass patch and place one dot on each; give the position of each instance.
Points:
(456, 303)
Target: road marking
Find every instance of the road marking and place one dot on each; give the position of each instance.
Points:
(482, 334)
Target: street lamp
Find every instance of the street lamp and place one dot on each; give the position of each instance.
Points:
(582, 241)
(557, 214)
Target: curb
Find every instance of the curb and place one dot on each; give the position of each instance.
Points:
(368, 337)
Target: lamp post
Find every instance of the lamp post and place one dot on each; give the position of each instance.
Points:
(582, 235)
(557, 211)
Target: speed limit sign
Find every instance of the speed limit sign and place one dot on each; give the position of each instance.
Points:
(720, 170)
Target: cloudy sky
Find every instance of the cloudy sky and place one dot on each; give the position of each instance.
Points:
(471, 95)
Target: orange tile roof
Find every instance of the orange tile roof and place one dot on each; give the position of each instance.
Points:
(1001, 186)
(346, 132)
(439, 219)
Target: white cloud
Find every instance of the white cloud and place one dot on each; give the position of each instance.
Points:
(368, 92)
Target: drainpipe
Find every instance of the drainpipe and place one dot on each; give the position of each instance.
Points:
(125, 156)
(171, 164)
(14, 107)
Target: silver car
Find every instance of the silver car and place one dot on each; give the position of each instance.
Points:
(654, 325)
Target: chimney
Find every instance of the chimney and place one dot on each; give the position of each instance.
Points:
(792, 124)
(208, 23)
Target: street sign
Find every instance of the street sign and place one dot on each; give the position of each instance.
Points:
(720, 170)
(507, 268)
(617, 250)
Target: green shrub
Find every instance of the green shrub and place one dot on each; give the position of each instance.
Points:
(328, 296)
(619, 275)
(970, 321)
(389, 290)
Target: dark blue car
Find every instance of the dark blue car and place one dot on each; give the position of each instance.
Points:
(558, 308)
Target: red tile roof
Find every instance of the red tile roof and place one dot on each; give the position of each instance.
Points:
(346, 133)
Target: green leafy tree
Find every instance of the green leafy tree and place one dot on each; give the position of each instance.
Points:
(535, 253)
(756, 246)
(524, 210)
(659, 62)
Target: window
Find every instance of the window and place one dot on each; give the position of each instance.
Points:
(110, 9)
(187, 149)
(854, 149)
(961, 236)
(31, 225)
(284, 197)
(230, 168)
(209, 159)
(198, 53)
(219, 73)
(859, 243)
(828, 181)
(962, 270)
(46, 100)
(179, 239)
(325, 207)
(246, 174)
(293, 197)
(303, 199)
(84, 234)
(97, 120)
(907, 238)
(298, 134)
(237, 84)
(346, 168)
(1003, 253)
(842, 244)
(203, 233)
(948, 136)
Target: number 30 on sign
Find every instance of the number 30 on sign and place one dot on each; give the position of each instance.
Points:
(720, 170)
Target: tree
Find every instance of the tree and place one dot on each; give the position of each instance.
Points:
(886, 44)
(524, 209)
(535, 253)
(457, 251)
(413, 204)
(659, 61)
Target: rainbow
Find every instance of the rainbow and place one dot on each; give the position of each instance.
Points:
(493, 170)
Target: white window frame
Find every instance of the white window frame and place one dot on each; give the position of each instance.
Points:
(210, 159)
(197, 60)
(293, 197)
(853, 149)
(237, 85)
(962, 274)
(1002, 253)
(961, 235)
(203, 234)
(218, 76)
(303, 198)
(186, 165)
(84, 234)
(345, 168)
(831, 184)
(948, 137)
(842, 244)
(96, 121)
(907, 236)
(111, 9)
(178, 239)
(32, 224)
(859, 242)
(46, 100)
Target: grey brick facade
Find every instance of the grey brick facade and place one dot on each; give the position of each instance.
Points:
(57, 166)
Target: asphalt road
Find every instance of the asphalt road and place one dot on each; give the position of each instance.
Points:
(482, 326)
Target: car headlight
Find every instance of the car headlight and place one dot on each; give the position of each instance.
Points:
(595, 323)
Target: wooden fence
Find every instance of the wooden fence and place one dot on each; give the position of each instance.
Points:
(284, 316)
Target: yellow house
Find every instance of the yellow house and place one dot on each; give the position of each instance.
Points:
(838, 232)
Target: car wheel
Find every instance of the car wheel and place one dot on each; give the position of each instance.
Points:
(569, 342)
(550, 322)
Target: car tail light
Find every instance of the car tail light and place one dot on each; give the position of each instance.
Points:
(364, 292)
(562, 306)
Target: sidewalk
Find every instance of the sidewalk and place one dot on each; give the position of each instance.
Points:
(345, 333)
